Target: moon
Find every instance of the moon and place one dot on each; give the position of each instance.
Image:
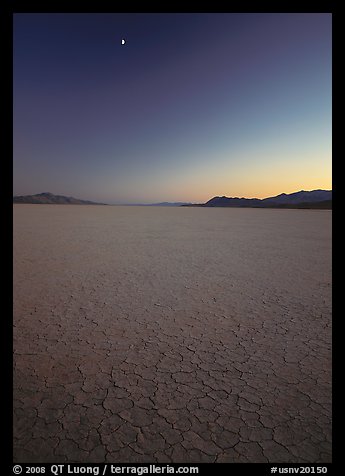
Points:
(123, 41)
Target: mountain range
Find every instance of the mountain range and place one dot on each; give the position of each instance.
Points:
(301, 199)
(321, 199)
(49, 198)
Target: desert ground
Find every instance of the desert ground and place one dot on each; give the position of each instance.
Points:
(185, 335)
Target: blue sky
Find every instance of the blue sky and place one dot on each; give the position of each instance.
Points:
(192, 106)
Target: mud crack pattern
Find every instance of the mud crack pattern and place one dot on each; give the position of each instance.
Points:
(175, 335)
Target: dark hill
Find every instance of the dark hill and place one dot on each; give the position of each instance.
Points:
(318, 199)
(233, 202)
(49, 198)
(300, 197)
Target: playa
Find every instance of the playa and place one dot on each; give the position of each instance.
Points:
(185, 335)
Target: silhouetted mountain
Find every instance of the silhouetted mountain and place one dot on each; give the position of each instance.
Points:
(160, 204)
(303, 199)
(323, 205)
(233, 202)
(169, 204)
(49, 198)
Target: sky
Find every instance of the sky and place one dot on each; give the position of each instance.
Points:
(190, 107)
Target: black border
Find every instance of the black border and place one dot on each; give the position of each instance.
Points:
(6, 28)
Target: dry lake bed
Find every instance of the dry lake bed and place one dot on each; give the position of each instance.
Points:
(185, 335)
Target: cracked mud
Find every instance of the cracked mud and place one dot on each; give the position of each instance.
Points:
(171, 335)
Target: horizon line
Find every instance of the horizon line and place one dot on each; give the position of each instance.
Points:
(173, 201)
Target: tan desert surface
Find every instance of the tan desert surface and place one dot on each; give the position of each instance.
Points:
(171, 334)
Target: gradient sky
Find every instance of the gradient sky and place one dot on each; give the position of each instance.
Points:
(192, 106)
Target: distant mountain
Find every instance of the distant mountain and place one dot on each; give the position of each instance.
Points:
(233, 202)
(169, 204)
(300, 197)
(323, 205)
(303, 199)
(160, 204)
(49, 198)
